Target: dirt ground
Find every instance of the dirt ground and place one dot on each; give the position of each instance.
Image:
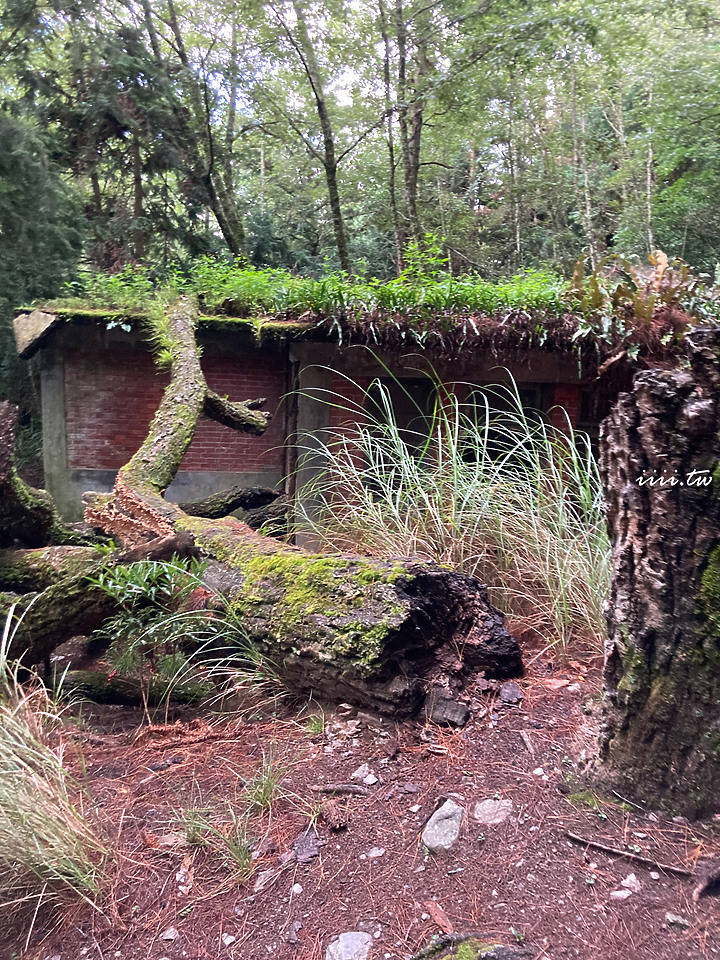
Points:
(522, 881)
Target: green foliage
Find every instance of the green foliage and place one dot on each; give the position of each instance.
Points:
(151, 635)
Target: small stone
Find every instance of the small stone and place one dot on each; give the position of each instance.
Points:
(354, 945)
(307, 846)
(620, 894)
(415, 808)
(239, 910)
(297, 889)
(443, 827)
(492, 812)
(370, 780)
(631, 883)
(264, 877)
(510, 692)
(674, 920)
(362, 771)
(375, 853)
(170, 934)
(538, 772)
(446, 712)
(228, 939)
(292, 934)
(654, 875)
(681, 820)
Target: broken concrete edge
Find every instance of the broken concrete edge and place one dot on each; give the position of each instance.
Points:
(33, 325)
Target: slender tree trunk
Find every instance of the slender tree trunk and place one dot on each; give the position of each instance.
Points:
(661, 741)
(138, 196)
(580, 166)
(410, 121)
(649, 179)
(330, 165)
(232, 110)
(202, 149)
(399, 236)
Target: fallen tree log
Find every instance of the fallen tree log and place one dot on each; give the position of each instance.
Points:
(375, 633)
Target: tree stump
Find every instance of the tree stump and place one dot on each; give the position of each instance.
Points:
(660, 461)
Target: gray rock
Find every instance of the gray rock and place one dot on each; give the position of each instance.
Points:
(446, 712)
(228, 939)
(350, 946)
(170, 934)
(307, 846)
(443, 827)
(493, 812)
(510, 692)
(362, 771)
(292, 934)
(674, 920)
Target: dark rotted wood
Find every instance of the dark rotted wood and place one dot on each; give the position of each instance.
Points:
(661, 737)
(226, 501)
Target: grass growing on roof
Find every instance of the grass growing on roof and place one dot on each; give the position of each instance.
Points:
(225, 287)
(491, 489)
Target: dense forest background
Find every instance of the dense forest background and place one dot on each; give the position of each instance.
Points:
(330, 135)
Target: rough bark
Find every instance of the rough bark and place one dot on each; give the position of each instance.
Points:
(661, 740)
(226, 501)
(27, 515)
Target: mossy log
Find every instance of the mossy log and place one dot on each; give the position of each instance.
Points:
(102, 688)
(27, 515)
(661, 472)
(376, 633)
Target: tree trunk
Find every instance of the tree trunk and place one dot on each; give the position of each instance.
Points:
(377, 633)
(410, 119)
(27, 516)
(226, 501)
(661, 739)
(330, 165)
(399, 236)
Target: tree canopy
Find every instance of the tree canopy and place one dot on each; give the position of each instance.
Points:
(318, 135)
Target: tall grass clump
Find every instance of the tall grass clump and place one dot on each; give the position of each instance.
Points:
(488, 488)
(48, 846)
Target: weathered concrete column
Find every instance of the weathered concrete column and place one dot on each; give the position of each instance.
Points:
(660, 456)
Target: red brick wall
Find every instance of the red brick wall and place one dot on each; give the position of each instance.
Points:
(567, 396)
(111, 397)
(346, 396)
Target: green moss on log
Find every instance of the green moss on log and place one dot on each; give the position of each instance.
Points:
(95, 686)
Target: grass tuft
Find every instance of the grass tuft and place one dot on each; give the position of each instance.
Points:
(49, 849)
(488, 488)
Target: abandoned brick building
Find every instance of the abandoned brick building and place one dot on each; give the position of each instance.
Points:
(99, 388)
